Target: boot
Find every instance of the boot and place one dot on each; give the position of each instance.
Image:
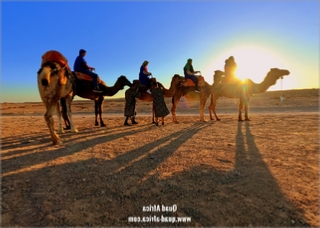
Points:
(126, 122)
(133, 118)
(197, 90)
(96, 89)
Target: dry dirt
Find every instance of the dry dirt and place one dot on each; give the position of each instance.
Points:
(218, 173)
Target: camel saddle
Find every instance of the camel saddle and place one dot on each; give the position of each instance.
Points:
(55, 56)
(82, 76)
(201, 81)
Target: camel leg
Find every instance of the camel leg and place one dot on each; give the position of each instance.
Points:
(210, 110)
(203, 100)
(246, 108)
(240, 109)
(49, 120)
(60, 129)
(175, 102)
(100, 100)
(153, 121)
(210, 107)
(64, 113)
(96, 113)
(214, 108)
(214, 105)
(69, 113)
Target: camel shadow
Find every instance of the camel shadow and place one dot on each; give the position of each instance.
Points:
(42, 141)
(99, 192)
(248, 195)
(39, 185)
(49, 152)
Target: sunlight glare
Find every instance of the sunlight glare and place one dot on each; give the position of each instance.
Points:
(252, 62)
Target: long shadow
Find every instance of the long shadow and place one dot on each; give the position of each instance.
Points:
(262, 188)
(71, 148)
(109, 194)
(246, 196)
(99, 192)
(33, 139)
(44, 142)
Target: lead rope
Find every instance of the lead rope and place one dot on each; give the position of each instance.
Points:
(281, 97)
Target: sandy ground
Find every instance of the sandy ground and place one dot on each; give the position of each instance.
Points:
(216, 173)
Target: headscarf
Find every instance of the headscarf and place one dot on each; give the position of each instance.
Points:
(189, 65)
(145, 63)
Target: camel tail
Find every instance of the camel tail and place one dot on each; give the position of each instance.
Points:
(44, 76)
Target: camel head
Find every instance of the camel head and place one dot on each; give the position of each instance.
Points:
(277, 73)
(177, 80)
(217, 76)
(123, 81)
(271, 79)
(137, 83)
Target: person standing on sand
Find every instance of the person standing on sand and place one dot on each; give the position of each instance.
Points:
(160, 107)
(130, 106)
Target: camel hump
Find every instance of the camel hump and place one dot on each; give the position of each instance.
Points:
(54, 56)
(85, 77)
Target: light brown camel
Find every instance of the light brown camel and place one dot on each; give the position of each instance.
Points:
(55, 83)
(84, 89)
(244, 91)
(176, 83)
(188, 87)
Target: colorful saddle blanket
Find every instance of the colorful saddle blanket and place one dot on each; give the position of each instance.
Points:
(82, 76)
(55, 56)
(201, 81)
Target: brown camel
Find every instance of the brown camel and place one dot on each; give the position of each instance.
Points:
(244, 91)
(84, 90)
(176, 82)
(55, 83)
(188, 87)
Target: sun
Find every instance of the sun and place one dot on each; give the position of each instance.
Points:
(253, 62)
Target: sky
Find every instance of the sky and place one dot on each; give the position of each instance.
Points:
(119, 35)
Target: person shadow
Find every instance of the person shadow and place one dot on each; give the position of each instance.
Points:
(262, 189)
(247, 195)
(100, 192)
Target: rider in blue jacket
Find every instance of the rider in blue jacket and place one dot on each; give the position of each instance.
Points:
(80, 65)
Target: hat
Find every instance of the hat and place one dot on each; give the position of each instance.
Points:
(82, 51)
(189, 60)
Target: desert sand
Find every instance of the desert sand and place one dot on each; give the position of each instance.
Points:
(263, 172)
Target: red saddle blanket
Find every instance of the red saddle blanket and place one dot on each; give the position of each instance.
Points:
(82, 76)
(56, 57)
(201, 81)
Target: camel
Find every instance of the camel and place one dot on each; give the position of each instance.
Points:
(244, 91)
(176, 82)
(55, 83)
(188, 87)
(84, 85)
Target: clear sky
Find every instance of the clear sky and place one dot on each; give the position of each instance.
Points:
(119, 35)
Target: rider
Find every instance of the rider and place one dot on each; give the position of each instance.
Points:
(144, 75)
(191, 74)
(229, 69)
(80, 65)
